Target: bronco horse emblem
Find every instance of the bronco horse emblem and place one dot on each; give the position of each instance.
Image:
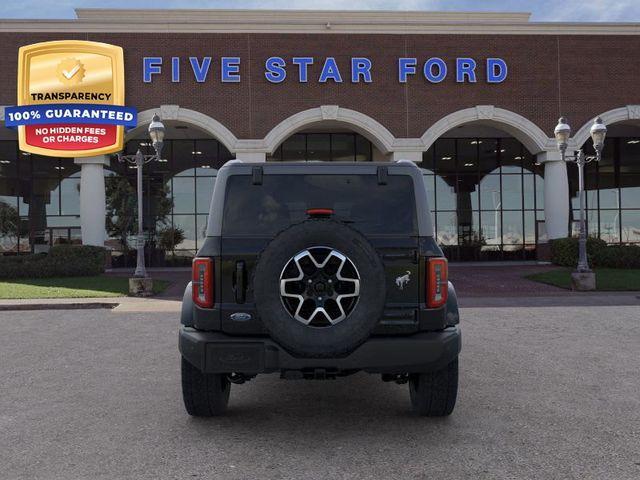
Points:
(403, 280)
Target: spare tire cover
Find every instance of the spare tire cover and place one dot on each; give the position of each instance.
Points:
(319, 288)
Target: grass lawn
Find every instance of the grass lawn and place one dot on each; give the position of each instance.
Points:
(70, 287)
(607, 279)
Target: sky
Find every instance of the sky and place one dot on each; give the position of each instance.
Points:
(542, 10)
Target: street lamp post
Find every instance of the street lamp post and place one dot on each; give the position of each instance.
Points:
(156, 133)
(562, 133)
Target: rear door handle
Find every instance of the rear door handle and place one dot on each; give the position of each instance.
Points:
(240, 282)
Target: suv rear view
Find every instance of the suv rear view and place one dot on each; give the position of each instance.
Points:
(319, 270)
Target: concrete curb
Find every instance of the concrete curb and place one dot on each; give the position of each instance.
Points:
(57, 306)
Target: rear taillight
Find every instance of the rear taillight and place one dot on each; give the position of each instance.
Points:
(437, 282)
(202, 282)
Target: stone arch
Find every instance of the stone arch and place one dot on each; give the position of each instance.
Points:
(373, 130)
(622, 114)
(180, 114)
(527, 132)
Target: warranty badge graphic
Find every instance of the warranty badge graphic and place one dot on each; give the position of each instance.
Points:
(71, 99)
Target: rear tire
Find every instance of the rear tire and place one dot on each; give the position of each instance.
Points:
(433, 394)
(204, 394)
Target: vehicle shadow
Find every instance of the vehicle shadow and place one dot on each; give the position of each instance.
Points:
(359, 404)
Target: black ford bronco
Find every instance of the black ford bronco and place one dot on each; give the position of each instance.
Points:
(319, 270)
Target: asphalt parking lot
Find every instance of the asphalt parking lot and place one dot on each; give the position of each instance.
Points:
(550, 392)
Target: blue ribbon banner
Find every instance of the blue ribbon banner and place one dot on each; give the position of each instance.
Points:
(70, 113)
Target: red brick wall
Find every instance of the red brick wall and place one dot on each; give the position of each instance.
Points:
(578, 76)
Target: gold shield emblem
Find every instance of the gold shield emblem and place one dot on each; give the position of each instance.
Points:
(71, 72)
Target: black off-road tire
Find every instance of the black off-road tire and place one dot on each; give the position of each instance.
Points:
(311, 341)
(204, 394)
(433, 394)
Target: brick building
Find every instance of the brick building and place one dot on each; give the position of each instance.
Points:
(473, 98)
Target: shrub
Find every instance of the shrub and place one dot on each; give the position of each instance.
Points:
(169, 237)
(564, 252)
(618, 256)
(61, 261)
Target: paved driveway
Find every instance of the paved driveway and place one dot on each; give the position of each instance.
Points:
(546, 393)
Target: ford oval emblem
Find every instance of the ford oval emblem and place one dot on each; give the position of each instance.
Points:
(240, 317)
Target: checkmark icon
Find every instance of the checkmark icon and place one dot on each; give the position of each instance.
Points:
(71, 73)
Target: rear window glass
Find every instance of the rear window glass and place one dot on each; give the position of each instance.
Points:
(282, 200)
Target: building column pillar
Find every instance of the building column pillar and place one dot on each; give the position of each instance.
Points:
(556, 195)
(251, 156)
(413, 156)
(93, 208)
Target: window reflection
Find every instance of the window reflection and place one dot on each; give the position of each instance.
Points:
(612, 190)
(326, 147)
(487, 192)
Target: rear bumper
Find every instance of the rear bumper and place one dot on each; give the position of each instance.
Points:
(214, 352)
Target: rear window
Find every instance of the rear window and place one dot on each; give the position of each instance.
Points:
(282, 200)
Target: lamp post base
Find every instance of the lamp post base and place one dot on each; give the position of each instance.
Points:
(583, 281)
(141, 286)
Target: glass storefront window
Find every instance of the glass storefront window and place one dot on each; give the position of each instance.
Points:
(182, 157)
(512, 228)
(609, 225)
(8, 159)
(511, 155)
(204, 191)
(612, 190)
(188, 225)
(487, 158)
(445, 160)
(364, 149)
(447, 228)
(512, 192)
(343, 147)
(484, 187)
(183, 189)
(630, 190)
(491, 225)
(318, 147)
(490, 194)
(530, 227)
(294, 148)
(630, 222)
(70, 196)
(445, 198)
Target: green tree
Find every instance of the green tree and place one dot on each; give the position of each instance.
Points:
(122, 208)
(9, 221)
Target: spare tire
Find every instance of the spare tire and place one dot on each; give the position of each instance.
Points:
(319, 288)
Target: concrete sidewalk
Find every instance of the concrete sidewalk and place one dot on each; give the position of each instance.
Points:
(117, 304)
(159, 304)
(477, 285)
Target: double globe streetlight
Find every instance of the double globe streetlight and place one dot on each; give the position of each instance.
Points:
(156, 134)
(583, 278)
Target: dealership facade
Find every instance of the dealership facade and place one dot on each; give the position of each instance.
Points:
(472, 98)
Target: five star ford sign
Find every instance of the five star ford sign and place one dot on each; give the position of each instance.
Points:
(71, 99)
